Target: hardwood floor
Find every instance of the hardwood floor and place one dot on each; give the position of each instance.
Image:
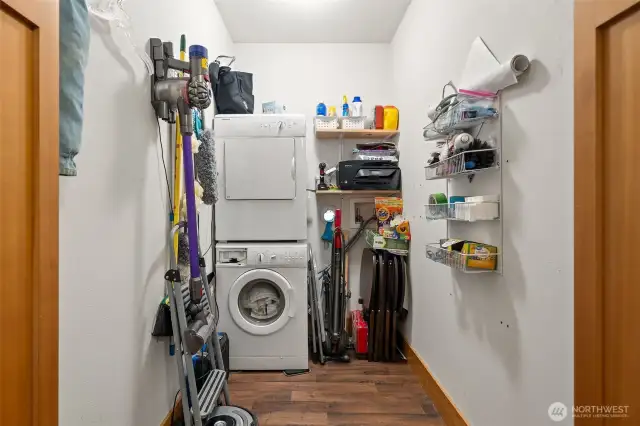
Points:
(358, 393)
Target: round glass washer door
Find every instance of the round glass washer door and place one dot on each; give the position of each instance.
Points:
(260, 302)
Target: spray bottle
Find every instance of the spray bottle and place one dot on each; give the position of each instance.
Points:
(345, 106)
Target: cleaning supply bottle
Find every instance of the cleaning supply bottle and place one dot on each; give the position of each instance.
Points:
(345, 106)
(391, 117)
(321, 109)
(332, 111)
(356, 107)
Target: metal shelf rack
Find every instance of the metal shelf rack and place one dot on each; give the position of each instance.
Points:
(457, 260)
(462, 221)
(378, 242)
(460, 164)
(200, 405)
(463, 212)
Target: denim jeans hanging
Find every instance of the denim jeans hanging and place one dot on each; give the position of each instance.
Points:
(74, 52)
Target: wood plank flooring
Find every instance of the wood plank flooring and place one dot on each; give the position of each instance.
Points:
(358, 393)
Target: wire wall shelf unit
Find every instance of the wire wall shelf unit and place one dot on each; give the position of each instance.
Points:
(471, 208)
(464, 212)
(465, 163)
(460, 261)
(465, 112)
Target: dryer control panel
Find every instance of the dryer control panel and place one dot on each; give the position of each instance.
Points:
(279, 257)
(266, 256)
(259, 125)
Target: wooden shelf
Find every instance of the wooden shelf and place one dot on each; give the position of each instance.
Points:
(356, 134)
(360, 192)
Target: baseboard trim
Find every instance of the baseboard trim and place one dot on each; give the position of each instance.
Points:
(177, 409)
(445, 406)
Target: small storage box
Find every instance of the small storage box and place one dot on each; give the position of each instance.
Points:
(326, 123)
(354, 123)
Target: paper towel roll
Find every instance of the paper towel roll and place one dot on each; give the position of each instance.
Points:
(484, 73)
(519, 64)
(503, 76)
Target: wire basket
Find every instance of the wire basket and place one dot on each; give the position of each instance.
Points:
(353, 123)
(378, 242)
(466, 113)
(464, 212)
(467, 162)
(457, 260)
(326, 123)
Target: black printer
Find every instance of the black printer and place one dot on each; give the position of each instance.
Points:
(369, 174)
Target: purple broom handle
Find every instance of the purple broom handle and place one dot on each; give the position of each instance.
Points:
(192, 223)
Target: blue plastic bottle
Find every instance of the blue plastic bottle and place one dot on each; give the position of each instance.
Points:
(345, 106)
(321, 109)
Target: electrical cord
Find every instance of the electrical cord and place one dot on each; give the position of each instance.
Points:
(214, 294)
(164, 165)
(173, 409)
(352, 241)
(209, 248)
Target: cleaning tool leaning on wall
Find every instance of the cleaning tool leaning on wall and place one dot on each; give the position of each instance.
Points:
(179, 100)
(74, 51)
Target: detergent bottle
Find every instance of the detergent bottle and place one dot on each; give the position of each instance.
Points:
(321, 109)
(356, 107)
(345, 106)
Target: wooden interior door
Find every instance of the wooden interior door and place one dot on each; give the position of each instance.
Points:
(29, 212)
(607, 207)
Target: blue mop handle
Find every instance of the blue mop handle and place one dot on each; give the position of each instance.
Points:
(192, 222)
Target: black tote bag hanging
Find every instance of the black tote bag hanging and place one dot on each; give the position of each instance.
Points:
(232, 90)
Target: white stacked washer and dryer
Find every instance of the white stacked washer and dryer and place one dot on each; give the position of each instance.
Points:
(261, 232)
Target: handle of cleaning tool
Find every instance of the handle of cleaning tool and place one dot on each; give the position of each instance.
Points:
(192, 223)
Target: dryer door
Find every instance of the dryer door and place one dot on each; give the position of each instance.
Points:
(261, 302)
(260, 168)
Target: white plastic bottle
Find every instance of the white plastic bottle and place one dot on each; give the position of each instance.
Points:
(356, 107)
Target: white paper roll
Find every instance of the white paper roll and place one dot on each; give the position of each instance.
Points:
(503, 76)
(483, 72)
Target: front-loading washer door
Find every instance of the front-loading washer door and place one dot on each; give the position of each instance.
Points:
(261, 302)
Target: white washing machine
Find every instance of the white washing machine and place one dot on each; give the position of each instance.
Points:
(262, 177)
(262, 298)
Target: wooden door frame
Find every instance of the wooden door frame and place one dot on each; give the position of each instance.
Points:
(589, 17)
(42, 16)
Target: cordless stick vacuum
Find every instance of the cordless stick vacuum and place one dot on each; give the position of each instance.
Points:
(169, 94)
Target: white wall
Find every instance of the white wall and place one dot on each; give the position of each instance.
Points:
(113, 220)
(300, 76)
(502, 346)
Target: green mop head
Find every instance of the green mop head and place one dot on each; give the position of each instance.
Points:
(183, 249)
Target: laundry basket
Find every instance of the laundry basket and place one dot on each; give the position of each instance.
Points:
(353, 123)
(326, 123)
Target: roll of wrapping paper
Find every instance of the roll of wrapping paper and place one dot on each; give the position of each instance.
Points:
(434, 200)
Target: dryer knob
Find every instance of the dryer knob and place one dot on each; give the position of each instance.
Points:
(260, 257)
